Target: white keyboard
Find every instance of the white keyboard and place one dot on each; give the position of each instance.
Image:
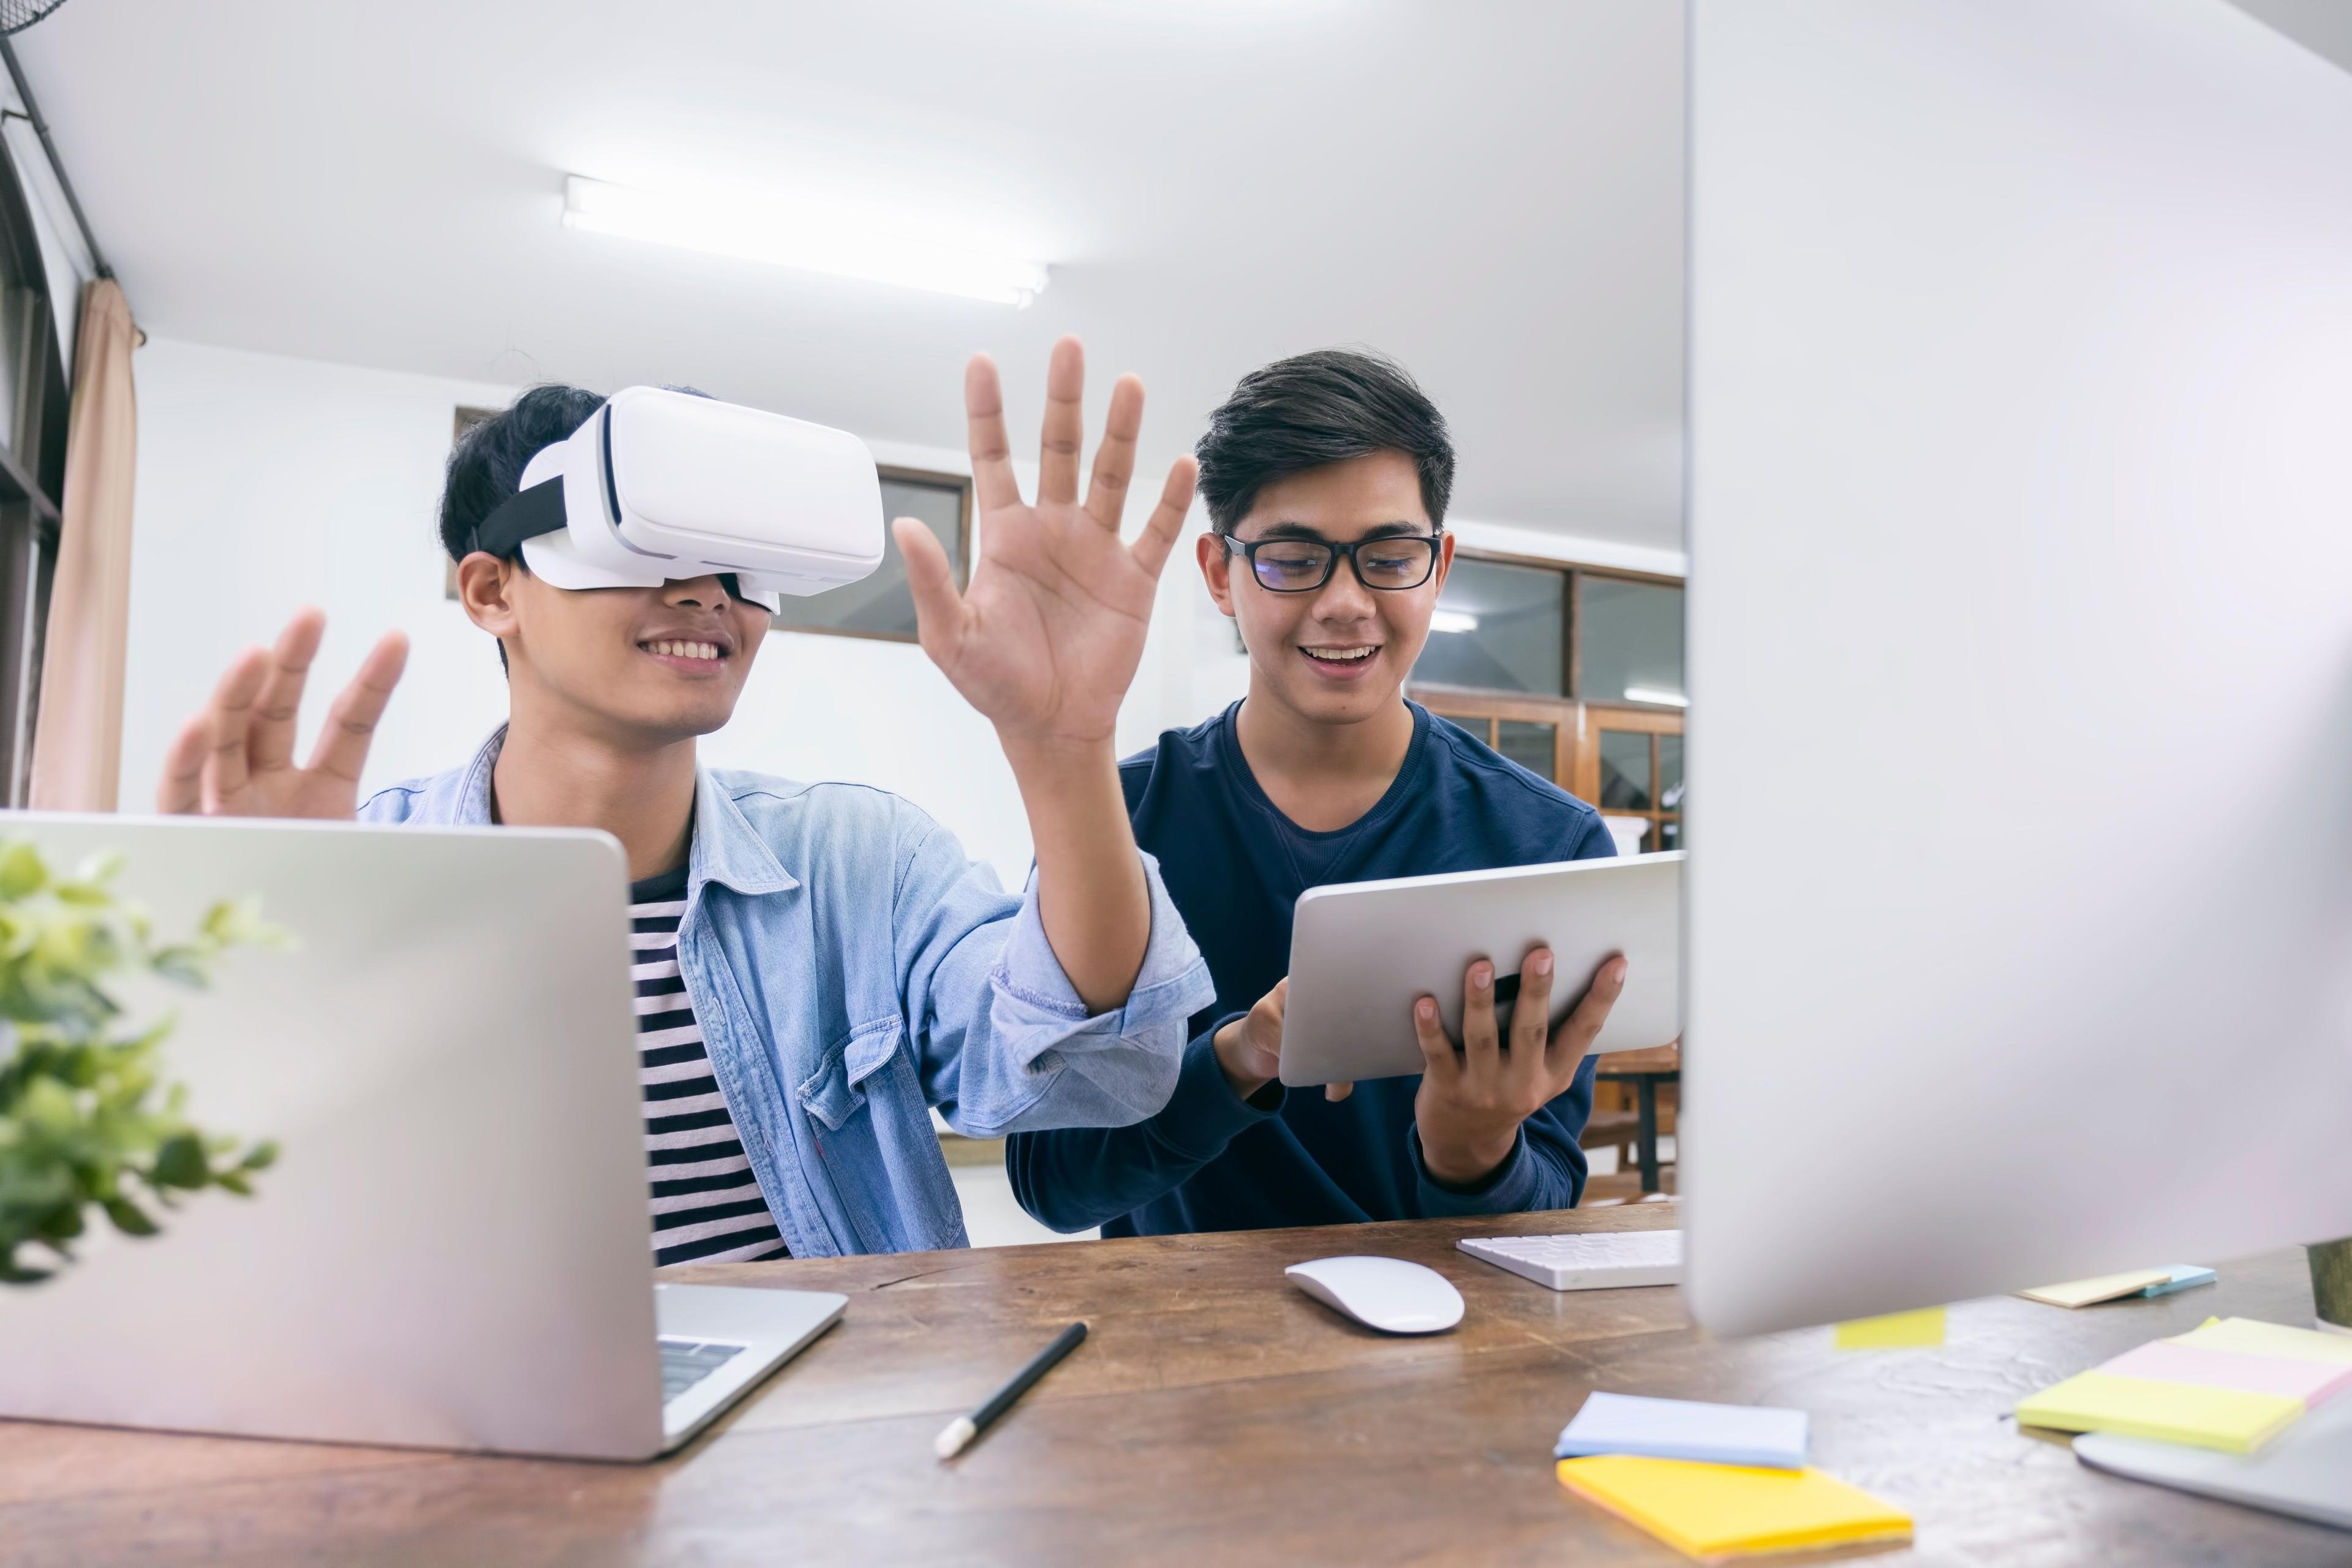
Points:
(1590, 1260)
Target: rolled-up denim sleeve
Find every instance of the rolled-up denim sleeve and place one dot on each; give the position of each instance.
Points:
(1003, 1041)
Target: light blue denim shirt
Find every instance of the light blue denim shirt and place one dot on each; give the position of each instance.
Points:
(851, 969)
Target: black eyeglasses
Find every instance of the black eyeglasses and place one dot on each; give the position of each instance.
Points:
(1303, 565)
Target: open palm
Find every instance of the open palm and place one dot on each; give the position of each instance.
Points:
(1046, 637)
(237, 757)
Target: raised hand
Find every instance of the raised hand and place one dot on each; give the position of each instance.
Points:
(1047, 635)
(237, 757)
(1471, 1101)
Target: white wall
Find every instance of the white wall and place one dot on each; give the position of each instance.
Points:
(266, 483)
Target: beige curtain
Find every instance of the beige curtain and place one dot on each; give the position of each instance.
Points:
(78, 739)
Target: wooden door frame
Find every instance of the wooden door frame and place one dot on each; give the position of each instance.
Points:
(1469, 703)
(1633, 719)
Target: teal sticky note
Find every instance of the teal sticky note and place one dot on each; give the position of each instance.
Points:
(2185, 1276)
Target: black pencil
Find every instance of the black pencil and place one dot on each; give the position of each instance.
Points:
(961, 1431)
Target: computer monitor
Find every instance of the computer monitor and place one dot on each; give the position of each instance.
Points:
(2020, 538)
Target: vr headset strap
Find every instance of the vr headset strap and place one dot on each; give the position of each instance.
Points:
(526, 514)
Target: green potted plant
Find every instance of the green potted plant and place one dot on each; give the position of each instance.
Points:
(87, 1122)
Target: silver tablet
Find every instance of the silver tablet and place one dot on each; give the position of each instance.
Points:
(1361, 953)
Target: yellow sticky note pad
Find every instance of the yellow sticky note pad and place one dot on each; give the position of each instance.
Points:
(2248, 1336)
(2105, 1288)
(2233, 1420)
(1895, 1331)
(1711, 1512)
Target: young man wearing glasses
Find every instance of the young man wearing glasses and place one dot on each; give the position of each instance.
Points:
(1325, 478)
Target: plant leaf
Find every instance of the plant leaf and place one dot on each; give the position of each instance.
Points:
(22, 874)
(180, 1162)
(130, 1218)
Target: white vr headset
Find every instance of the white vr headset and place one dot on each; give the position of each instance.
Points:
(660, 486)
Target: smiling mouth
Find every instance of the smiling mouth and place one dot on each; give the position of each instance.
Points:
(1351, 657)
(684, 649)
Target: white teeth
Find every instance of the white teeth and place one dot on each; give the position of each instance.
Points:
(1340, 655)
(684, 649)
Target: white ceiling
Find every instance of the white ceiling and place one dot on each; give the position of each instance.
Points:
(1491, 193)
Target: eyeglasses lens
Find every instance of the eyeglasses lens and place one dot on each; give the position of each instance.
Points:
(1394, 563)
(1289, 565)
(1294, 566)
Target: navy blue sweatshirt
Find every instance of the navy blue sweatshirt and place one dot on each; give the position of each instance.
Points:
(1236, 865)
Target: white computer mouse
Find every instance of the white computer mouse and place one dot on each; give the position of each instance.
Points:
(1384, 1294)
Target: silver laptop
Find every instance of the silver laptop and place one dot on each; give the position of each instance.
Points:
(452, 1249)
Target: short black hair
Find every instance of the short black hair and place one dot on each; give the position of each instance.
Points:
(1316, 408)
(486, 468)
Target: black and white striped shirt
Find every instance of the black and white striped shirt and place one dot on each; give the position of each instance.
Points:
(707, 1205)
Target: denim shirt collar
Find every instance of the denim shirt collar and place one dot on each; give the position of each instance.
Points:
(726, 848)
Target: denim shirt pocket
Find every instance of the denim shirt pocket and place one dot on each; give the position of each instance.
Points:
(836, 1090)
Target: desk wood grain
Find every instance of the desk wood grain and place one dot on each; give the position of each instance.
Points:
(1214, 1416)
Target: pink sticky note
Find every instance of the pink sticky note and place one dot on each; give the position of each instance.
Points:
(2164, 1361)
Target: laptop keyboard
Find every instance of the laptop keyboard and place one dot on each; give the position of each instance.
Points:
(686, 1362)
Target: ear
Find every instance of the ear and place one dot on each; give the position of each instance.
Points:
(1444, 556)
(1216, 568)
(486, 588)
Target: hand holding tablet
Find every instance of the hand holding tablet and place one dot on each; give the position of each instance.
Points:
(1472, 1098)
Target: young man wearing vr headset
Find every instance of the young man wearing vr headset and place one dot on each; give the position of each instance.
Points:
(817, 965)
(1327, 477)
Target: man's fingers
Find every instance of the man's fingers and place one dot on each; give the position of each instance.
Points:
(1531, 1018)
(229, 721)
(1338, 1091)
(1167, 521)
(1437, 1056)
(1481, 1045)
(1577, 1030)
(1065, 428)
(1115, 457)
(993, 486)
(343, 748)
(939, 609)
(181, 790)
(272, 742)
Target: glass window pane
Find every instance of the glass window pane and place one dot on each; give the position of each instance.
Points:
(1531, 745)
(1624, 769)
(1670, 834)
(1631, 641)
(1499, 627)
(1670, 772)
(881, 604)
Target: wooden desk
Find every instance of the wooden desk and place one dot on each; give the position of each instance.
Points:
(1215, 1416)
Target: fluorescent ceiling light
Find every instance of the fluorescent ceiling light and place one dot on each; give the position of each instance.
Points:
(792, 235)
(1656, 694)
(1452, 621)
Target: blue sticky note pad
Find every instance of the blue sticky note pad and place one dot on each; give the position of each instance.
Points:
(1755, 1435)
(2184, 1276)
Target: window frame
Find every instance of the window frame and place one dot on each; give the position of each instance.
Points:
(935, 479)
(32, 485)
(1571, 640)
(1576, 719)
